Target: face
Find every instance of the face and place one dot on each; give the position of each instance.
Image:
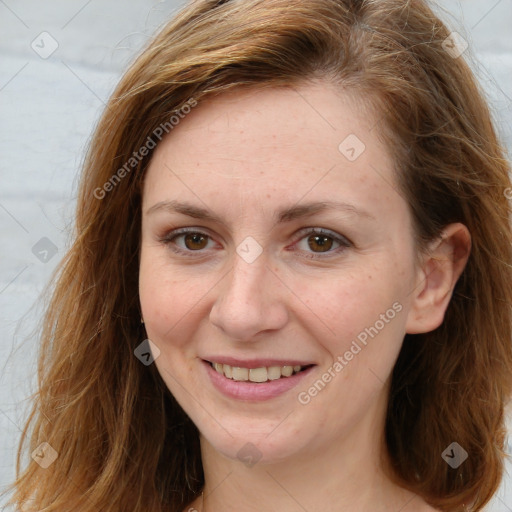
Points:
(306, 257)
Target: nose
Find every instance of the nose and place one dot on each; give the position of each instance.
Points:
(251, 299)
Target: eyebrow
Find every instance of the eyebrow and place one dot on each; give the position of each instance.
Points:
(284, 215)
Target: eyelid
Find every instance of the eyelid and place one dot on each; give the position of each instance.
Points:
(344, 242)
(322, 231)
(168, 238)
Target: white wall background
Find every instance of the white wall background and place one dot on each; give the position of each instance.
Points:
(49, 106)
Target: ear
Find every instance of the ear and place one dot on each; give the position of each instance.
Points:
(437, 276)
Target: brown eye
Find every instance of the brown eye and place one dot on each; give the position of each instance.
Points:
(195, 241)
(187, 241)
(322, 242)
(317, 242)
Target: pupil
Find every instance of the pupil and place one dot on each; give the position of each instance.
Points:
(322, 241)
(195, 238)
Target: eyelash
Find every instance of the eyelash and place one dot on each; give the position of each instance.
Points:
(344, 242)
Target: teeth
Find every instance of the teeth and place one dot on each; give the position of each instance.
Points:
(228, 371)
(240, 373)
(258, 375)
(255, 374)
(274, 372)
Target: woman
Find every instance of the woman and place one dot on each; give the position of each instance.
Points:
(290, 283)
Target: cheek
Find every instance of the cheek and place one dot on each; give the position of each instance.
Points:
(360, 317)
(172, 302)
(343, 306)
(157, 293)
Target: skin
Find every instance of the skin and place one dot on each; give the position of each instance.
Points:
(245, 155)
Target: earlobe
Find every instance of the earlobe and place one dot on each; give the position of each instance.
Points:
(437, 277)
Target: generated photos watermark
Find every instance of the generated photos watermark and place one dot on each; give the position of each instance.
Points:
(304, 397)
(158, 133)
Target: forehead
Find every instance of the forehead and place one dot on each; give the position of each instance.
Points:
(275, 143)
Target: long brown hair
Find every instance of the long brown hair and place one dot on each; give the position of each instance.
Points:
(123, 442)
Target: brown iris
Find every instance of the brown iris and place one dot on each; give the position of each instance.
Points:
(324, 242)
(196, 240)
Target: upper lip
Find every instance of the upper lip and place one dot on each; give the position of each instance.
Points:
(256, 363)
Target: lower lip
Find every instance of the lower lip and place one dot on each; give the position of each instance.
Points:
(245, 390)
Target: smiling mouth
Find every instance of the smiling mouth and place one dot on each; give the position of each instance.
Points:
(258, 375)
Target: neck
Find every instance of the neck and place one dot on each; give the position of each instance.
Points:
(341, 473)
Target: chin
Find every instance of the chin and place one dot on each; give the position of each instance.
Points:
(251, 449)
